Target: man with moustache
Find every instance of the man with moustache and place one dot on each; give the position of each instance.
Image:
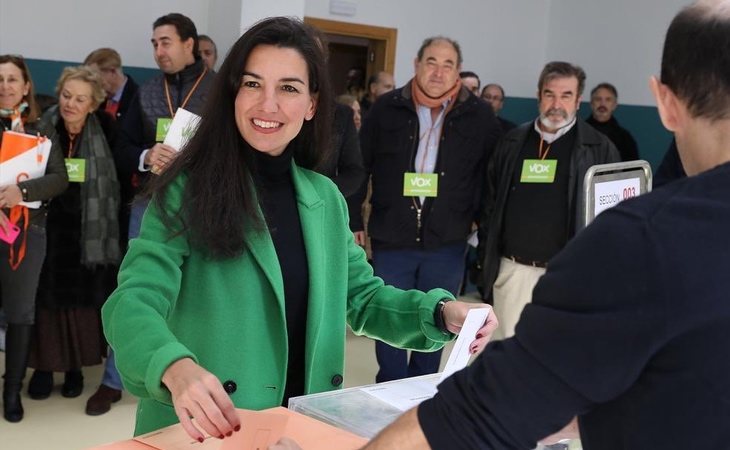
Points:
(425, 145)
(604, 101)
(535, 186)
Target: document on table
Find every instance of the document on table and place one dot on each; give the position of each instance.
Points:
(407, 393)
(403, 394)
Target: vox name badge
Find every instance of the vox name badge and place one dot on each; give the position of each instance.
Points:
(539, 170)
(420, 184)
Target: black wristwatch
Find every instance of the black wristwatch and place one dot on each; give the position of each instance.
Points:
(438, 317)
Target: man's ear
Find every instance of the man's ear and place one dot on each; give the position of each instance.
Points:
(189, 44)
(415, 64)
(666, 103)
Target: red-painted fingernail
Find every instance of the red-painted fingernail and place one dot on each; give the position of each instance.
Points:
(238, 428)
(480, 335)
(221, 436)
(201, 440)
(229, 434)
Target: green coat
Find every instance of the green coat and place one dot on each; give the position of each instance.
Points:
(228, 315)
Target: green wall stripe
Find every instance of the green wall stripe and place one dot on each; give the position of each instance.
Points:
(45, 73)
(642, 121)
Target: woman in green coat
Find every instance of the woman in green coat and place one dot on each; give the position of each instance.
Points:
(238, 289)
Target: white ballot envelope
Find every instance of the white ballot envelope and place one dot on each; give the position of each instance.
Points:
(23, 157)
(182, 128)
(406, 393)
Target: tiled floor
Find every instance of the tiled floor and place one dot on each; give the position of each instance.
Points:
(60, 424)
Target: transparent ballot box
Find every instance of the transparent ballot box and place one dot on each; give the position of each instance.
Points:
(365, 410)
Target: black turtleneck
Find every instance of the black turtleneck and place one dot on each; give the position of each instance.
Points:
(279, 203)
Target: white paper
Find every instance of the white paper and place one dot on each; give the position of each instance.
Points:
(611, 193)
(26, 165)
(459, 357)
(403, 394)
(473, 239)
(182, 128)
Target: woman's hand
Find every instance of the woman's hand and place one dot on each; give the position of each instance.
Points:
(10, 196)
(454, 315)
(197, 393)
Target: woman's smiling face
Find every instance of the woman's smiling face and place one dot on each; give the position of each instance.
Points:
(274, 98)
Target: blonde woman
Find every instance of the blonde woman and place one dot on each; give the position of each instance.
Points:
(83, 239)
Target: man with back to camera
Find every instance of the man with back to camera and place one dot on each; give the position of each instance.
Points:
(378, 84)
(640, 359)
(535, 187)
(429, 132)
(604, 101)
(494, 95)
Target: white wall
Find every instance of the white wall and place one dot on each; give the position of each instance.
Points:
(500, 40)
(69, 30)
(254, 10)
(503, 41)
(618, 41)
(223, 25)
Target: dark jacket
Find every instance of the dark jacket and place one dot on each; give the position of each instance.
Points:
(130, 89)
(620, 136)
(591, 148)
(344, 163)
(138, 129)
(389, 142)
(628, 329)
(53, 183)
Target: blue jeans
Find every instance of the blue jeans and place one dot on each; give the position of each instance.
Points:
(111, 376)
(135, 217)
(422, 270)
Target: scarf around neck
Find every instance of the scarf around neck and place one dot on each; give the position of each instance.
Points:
(16, 116)
(423, 99)
(99, 194)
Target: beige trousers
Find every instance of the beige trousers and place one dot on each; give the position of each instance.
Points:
(511, 292)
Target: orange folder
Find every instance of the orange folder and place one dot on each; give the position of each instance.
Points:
(310, 434)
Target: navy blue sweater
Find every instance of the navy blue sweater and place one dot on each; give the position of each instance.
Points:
(629, 329)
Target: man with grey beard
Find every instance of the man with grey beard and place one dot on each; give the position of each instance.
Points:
(535, 181)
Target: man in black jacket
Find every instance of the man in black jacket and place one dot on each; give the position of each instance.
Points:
(425, 145)
(629, 326)
(535, 184)
(183, 83)
(604, 101)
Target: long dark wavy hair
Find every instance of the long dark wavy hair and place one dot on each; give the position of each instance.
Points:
(219, 199)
